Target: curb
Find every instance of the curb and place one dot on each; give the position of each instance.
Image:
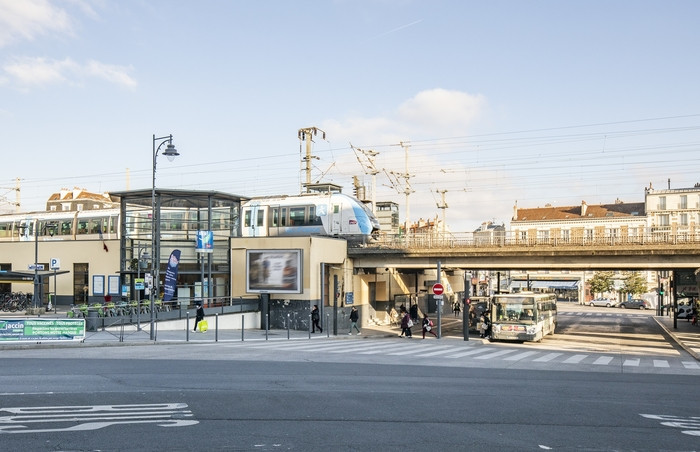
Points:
(690, 351)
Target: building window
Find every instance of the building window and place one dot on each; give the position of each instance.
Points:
(565, 235)
(663, 220)
(588, 235)
(662, 203)
(542, 236)
(613, 232)
(684, 201)
(523, 235)
(684, 219)
(633, 232)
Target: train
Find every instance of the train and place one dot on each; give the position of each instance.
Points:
(316, 214)
(332, 214)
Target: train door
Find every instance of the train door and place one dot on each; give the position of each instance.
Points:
(254, 221)
(336, 217)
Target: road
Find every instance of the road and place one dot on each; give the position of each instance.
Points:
(350, 393)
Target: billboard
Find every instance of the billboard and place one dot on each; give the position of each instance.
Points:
(277, 271)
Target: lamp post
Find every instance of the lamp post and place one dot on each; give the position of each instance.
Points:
(36, 299)
(143, 256)
(170, 152)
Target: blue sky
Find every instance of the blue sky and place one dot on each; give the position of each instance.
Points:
(533, 102)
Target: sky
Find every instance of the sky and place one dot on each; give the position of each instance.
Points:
(478, 106)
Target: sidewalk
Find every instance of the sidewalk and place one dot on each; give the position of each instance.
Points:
(685, 334)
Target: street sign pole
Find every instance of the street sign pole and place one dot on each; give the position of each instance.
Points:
(438, 286)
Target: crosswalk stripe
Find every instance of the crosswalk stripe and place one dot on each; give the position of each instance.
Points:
(467, 353)
(603, 360)
(661, 363)
(437, 352)
(633, 362)
(519, 356)
(494, 354)
(547, 357)
(691, 365)
(574, 359)
(379, 349)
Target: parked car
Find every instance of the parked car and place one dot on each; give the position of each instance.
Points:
(637, 303)
(608, 303)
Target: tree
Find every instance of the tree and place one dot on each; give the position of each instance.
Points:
(634, 283)
(601, 282)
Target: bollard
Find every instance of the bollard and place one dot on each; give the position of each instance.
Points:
(287, 326)
(309, 326)
(216, 328)
(267, 324)
(328, 333)
(187, 326)
(242, 328)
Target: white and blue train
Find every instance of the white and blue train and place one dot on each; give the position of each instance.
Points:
(330, 214)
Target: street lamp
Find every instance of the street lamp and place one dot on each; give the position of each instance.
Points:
(51, 228)
(143, 256)
(170, 152)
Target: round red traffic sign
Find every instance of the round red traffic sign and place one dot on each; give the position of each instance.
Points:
(438, 289)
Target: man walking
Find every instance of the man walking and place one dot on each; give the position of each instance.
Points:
(354, 315)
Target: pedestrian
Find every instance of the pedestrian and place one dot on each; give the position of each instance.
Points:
(414, 313)
(406, 324)
(315, 319)
(200, 315)
(482, 326)
(457, 308)
(428, 326)
(354, 315)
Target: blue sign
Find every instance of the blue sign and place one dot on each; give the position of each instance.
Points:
(205, 242)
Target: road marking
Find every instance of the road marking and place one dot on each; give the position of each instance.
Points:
(691, 425)
(546, 358)
(519, 356)
(494, 354)
(633, 362)
(603, 360)
(437, 352)
(691, 365)
(574, 359)
(467, 353)
(661, 363)
(93, 417)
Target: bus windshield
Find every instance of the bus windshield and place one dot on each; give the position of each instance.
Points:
(515, 310)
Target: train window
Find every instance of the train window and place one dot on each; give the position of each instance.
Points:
(336, 208)
(95, 226)
(246, 218)
(65, 227)
(283, 216)
(261, 218)
(275, 217)
(313, 218)
(297, 216)
(5, 229)
(82, 227)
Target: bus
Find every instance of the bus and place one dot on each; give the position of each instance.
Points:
(523, 316)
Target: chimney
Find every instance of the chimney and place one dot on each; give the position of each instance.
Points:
(584, 208)
(515, 211)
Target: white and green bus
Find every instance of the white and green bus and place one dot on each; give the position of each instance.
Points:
(523, 316)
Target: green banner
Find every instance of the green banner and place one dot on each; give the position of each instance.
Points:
(34, 330)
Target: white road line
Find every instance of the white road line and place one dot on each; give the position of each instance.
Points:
(661, 363)
(574, 359)
(494, 354)
(603, 360)
(467, 353)
(691, 365)
(438, 352)
(634, 362)
(546, 358)
(519, 356)
(378, 349)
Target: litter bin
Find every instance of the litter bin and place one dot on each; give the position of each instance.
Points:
(91, 321)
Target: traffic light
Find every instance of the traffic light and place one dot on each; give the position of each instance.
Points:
(661, 290)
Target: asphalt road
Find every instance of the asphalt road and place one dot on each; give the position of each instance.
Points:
(595, 386)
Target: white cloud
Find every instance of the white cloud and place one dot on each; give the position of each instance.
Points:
(27, 19)
(27, 72)
(441, 110)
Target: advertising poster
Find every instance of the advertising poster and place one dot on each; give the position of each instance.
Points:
(205, 242)
(42, 330)
(277, 271)
(171, 275)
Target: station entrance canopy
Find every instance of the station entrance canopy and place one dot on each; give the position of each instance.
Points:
(7, 277)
